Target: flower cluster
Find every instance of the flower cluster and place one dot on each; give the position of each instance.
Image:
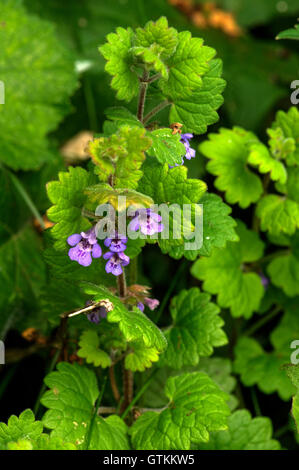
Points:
(85, 247)
(151, 303)
(97, 313)
(147, 221)
(190, 152)
(116, 256)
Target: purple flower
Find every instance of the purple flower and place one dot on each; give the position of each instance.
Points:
(116, 244)
(84, 246)
(190, 152)
(151, 303)
(147, 221)
(115, 263)
(97, 314)
(264, 281)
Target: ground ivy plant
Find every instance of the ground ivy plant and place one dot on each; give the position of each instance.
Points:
(117, 380)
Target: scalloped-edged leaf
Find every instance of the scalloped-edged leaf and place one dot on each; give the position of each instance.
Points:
(89, 349)
(260, 157)
(243, 433)
(195, 331)
(218, 228)
(289, 123)
(103, 193)
(140, 358)
(257, 367)
(188, 64)
(171, 186)
(119, 59)
(284, 269)
(71, 399)
(278, 214)
(166, 147)
(228, 153)
(223, 273)
(134, 325)
(38, 73)
(199, 110)
(68, 198)
(121, 155)
(293, 373)
(196, 407)
(157, 33)
(23, 427)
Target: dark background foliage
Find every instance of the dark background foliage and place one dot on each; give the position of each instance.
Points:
(258, 71)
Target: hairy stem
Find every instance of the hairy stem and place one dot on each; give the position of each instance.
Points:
(113, 384)
(122, 285)
(142, 95)
(156, 110)
(138, 395)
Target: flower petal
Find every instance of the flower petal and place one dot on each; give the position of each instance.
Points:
(85, 258)
(74, 239)
(96, 251)
(74, 253)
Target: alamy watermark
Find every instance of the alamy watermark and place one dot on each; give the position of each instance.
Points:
(295, 94)
(295, 355)
(2, 352)
(179, 222)
(2, 92)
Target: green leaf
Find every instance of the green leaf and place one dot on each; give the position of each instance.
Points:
(38, 73)
(223, 274)
(166, 147)
(218, 228)
(196, 408)
(289, 33)
(151, 58)
(24, 427)
(278, 214)
(71, 399)
(293, 373)
(260, 157)
(218, 369)
(289, 124)
(188, 64)
(22, 276)
(140, 357)
(171, 186)
(46, 442)
(134, 325)
(198, 110)
(103, 193)
(89, 349)
(196, 329)
(281, 146)
(228, 153)
(243, 433)
(122, 115)
(119, 59)
(68, 198)
(159, 34)
(284, 270)
(261, 368)
(121, 155)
